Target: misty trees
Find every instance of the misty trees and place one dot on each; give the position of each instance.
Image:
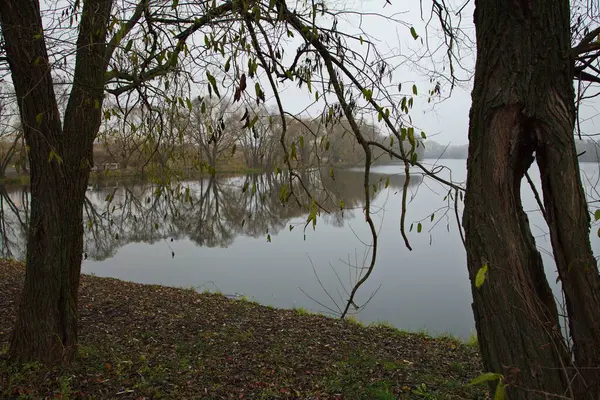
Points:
(11, 135)
(259, 143)
(214, 129)
(520, 108)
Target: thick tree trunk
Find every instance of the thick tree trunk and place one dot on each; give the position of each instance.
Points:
(60, 156)
(523, 103)
(569, 223)
(46, 327)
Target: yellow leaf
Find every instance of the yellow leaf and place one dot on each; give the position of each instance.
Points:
(481, 275)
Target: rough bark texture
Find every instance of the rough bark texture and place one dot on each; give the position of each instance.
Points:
(60, 156)
(523, 103)
(569, 223)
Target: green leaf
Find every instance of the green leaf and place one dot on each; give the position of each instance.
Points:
(481, 275)
(419, 227)
(269, 238)
(411, 136)
(500, 391)
(213, 83)
(342, 204)
(413, 158)
(387, 182)
(414, 89)
(413, 32)
(301, 141)
(485, 377)
(38, 118)
(54, 155)
(432, 217)
(423, 135)
(251, 124)
(597, 215)
(293, 156)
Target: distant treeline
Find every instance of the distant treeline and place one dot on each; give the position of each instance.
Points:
(588, 150)
(437, 150)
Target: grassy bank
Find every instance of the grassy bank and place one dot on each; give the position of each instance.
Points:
(147, 341)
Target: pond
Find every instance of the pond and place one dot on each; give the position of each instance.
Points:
(235, 236)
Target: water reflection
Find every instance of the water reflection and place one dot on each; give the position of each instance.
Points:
(218, 229)
(14, 220)
(210, 212)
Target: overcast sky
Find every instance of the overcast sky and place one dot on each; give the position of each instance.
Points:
(445, 121)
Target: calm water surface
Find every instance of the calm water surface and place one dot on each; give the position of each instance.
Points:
(233, 235)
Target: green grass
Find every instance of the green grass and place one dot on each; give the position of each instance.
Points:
(472, 341)
(355, 321)
(301, 311)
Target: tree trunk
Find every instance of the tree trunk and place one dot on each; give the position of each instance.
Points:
(213, 158)
(60, 156)
(569, 223)
(521, 107)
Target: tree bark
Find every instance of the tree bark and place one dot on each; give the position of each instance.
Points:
(569, 223)
(523, 104)
(60, 156)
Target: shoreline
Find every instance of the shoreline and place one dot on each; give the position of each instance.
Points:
(148, 341)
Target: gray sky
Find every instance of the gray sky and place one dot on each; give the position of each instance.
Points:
(444, 121)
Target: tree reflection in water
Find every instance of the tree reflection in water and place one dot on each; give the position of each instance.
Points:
(211, 212)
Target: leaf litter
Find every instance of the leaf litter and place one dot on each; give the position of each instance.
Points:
(141, 341)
